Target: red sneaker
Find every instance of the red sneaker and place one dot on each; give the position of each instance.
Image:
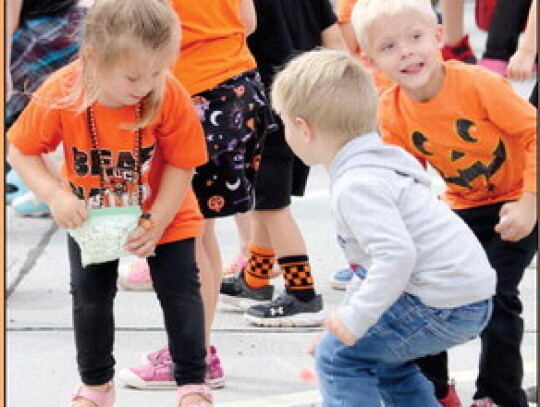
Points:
(451, 399)
(461, 51)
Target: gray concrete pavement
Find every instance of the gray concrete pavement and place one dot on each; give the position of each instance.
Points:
(261, 364)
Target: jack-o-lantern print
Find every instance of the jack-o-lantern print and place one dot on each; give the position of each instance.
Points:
(216, 203)
(469, 168)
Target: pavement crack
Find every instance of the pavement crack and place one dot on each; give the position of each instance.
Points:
(31, 259)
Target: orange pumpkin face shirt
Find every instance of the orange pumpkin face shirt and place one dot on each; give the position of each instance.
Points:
(477, 132)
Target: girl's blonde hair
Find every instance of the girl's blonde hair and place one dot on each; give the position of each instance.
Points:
(330, 90)
(365, 12)
(114, 32)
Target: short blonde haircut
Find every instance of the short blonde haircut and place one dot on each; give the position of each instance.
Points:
(330, 90)
(115, 31)
(365, 12)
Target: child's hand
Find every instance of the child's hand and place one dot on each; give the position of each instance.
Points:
(517, 219)
(334, 326)
(67, 210)
(521, 65)
(314, 343)
(142, 241)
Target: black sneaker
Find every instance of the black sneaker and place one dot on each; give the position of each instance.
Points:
(287, 310)
(235, 291)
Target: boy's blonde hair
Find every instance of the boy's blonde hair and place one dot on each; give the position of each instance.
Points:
(330, 90)
(365, 12)
(114, 31)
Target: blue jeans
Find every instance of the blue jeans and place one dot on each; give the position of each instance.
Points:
(380, 367)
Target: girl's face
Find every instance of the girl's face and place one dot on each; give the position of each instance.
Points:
(127, 83)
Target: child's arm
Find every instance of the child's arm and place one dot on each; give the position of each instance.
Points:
(366, 207)
(516, 117)
(172, 190)
(521, 63)
(249, 18)
(332, 39)
(344, 11)
(350, 38)
(67, 210)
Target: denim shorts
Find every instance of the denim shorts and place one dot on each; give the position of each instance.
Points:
(379, 366)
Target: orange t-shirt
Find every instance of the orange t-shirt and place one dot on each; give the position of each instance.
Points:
(477, 132)
(175, 137)
(214, 46)
(344, 10)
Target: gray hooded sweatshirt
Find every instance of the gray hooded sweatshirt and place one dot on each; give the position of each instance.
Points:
(389, 220)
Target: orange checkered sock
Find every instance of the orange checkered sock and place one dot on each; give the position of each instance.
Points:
(259, 267)
(297, 273)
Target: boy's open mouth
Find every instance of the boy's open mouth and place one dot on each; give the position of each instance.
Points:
(413, 68)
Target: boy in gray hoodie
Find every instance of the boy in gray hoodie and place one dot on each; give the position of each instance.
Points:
(429, 283)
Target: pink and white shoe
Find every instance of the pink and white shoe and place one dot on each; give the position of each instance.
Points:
(215, 377)
(214, 372)
(135, 276)
(149, 376)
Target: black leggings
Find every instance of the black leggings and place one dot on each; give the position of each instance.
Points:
(176, 283)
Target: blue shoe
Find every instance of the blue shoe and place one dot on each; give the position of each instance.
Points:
(27, 205)
(14, 186)
(341, 278)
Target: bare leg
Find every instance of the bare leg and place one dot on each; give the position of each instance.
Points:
(243, 225)
(277, 229)
(209, 263)
(452, 15)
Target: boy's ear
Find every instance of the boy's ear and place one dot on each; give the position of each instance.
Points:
(306, 129)
(439, 35)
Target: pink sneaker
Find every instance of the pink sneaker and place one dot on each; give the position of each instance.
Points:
(495, 65)
(451, 399)
(485, 402)
(214, 373)
(162, 357)
(149, 376)
(135, 276)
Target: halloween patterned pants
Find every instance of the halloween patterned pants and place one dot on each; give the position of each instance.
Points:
(235, 117)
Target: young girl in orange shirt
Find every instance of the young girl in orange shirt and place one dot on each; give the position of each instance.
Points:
(130, 134)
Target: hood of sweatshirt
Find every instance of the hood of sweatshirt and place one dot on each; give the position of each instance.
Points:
(368, 151)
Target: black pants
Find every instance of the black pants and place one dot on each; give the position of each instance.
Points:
(176, 283)
(509, 18)
(501, 365)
